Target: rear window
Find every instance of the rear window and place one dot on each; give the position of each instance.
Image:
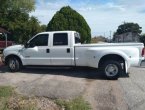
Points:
(60, 39)
(77, 38)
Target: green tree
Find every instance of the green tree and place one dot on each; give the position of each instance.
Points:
(7, 6)
(43, 28)
(69, 19)
(129, 27)
(142, 38)
(29, 29)
(14, 16)
(33, 25)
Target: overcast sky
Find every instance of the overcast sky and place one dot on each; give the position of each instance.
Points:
(102, 16)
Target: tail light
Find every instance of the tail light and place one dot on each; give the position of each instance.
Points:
(143, 52)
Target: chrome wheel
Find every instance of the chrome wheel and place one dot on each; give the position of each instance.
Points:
(12, 64)
(111, 70)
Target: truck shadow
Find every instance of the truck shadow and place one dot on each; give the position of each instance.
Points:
(78, 72)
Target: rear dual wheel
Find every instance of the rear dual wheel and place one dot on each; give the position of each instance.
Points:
(112, 69)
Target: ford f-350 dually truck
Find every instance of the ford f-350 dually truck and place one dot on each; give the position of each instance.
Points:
(63, 48)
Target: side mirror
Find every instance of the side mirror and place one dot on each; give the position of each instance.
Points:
(26, 45)
(29, 45)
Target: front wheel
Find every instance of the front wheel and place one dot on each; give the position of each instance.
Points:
(14, 64)
(112, 69)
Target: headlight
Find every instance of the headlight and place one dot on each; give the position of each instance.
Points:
(3, 57)
(3, 52)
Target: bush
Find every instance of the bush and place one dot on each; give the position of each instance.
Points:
(69, 19)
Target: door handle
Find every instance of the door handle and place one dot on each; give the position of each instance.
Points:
(47, 50)
(68, 50)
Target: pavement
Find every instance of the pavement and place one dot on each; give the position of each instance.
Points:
(126, 93)
(143, 64)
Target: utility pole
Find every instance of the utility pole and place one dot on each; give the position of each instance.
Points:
(124, 31)
(104, 34)
(6, 39)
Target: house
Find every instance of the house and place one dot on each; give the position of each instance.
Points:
(127, 37)
(99, 39)
(3, 33)
(4, 39)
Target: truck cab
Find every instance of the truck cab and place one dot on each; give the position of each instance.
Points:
(51, 48)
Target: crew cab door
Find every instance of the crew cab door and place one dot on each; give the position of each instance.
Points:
(37, 52)
(61, 52)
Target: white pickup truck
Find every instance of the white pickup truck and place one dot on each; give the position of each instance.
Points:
(63, 48)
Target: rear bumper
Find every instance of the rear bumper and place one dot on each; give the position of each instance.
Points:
(142, 63)
(142, 60)
(136, 62)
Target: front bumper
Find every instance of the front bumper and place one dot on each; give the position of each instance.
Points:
(3, 59)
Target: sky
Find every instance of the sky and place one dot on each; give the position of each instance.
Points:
(103, 16)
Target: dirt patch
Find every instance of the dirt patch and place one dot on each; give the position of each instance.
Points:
(39, 103)
(11, 100)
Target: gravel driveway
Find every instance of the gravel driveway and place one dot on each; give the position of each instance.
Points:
(67, 83)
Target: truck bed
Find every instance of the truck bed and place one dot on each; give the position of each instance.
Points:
(109, 44)
(88, 54)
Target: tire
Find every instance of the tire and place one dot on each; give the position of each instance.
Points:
(112, 69)
(14, 64)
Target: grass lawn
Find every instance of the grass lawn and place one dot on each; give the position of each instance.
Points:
(10, 100)
(75, 104)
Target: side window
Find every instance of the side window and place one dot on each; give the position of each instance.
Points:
(40, 40)
(60, 39)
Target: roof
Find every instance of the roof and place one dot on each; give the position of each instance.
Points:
(2, 30)
(55, 32)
